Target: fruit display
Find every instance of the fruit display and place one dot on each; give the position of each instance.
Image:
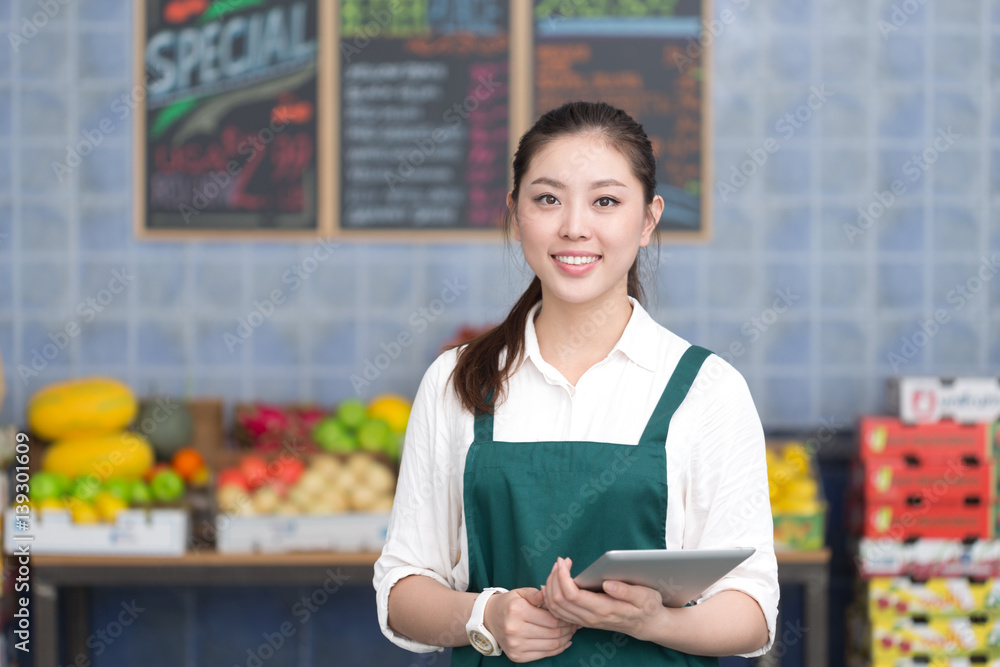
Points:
(86, 498)
(123, 454)
(323, 484)
(267, 429)
(167, 428)
(796, 502)
(378, 427)
(83, 407)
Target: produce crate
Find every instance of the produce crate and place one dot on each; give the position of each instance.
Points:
(890, 437)
(940, 596)
(158, 532)
(929, 399)
(798, 525)
(801, 532)
(926, 558)
(907, 521)
(901, 636)
(283, 534)
(951, 480)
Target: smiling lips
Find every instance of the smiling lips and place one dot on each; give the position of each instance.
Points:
(576, 265)
(577, 259)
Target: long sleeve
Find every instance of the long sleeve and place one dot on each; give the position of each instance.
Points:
(424, 528)
(729, 503)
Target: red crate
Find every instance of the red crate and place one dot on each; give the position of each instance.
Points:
(929, 520)
(951, 480)
(889, 437)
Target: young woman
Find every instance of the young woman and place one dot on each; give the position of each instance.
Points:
(577, 426)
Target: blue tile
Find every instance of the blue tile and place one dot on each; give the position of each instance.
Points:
(44, 114)
(45, 287)
(842, 115)
(107, 171)
(104, 227)
(900, 285)
(956, 229)
(46, 348)
(333, 285)
(279, 283)
(219, 286)
(994, 350)
(789, 229)
(901, 228)
(95, 113)
(218, 343)
(788, 172)
(844, 399)
(845, 56)
(845, 285)
(44, 228)
(902, 346)
(45, 57)
(902, 114)
(104, 55)
(732, 228)
(390, 278)
(276, 342)
(795, 12)
(332, 389)
(840, 229)
(845, 171)
(788, 401)
(961, 13)
(105, 288)
(38, 175)
(104, 342)
(7, 238)
(958, 111)
(733, 114)
(956, 346)
(153, 635)
(161, 343)
(789, 58)
(731, 284)
(957, 58)
(785, 342)
(334, 343)
(6, 285)
(6, 108)
(6, 179)
(677, 285)
(904, 18)
(789, 284)
(227, 634)
(950, 286)
(901, 58)
(105, 11)
(161, 284)
(276, 388)
(842, 342)
(958, 172)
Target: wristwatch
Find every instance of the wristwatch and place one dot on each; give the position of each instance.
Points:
(482, 639)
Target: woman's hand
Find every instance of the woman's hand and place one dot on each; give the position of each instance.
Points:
(632, 610)
(524, 630)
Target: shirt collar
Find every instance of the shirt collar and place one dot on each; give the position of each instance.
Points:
(637, 342)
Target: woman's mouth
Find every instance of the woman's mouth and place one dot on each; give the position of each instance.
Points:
(576, 264)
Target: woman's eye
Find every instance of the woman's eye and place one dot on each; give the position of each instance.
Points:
(547, 199)
(606, 202)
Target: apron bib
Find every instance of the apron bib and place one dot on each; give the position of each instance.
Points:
(528, 502)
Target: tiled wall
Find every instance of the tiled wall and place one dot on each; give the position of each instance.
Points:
(879, 97)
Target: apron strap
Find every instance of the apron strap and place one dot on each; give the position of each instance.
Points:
(673, 394)
(484, 422)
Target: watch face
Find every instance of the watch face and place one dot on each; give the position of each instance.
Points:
(480, 642)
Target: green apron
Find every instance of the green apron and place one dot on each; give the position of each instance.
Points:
(528, 502)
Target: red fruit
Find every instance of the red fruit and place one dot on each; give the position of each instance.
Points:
(287, 470)
(900, 606)
(264, 418)
(231, 477)
(883, 603)
(311, 416)
(155, 470)
(887, 642)
(254, 469)
(904, 646)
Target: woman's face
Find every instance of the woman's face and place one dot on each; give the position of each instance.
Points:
(581, 218)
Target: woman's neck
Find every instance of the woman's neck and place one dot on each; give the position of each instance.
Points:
(573, 337)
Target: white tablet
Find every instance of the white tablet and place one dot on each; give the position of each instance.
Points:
(681, 575)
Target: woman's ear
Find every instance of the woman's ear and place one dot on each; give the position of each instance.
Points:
(512, 209)
(653, 213)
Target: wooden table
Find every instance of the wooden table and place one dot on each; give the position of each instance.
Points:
(74, 575)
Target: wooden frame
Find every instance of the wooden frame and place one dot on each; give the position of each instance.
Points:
(325, 112)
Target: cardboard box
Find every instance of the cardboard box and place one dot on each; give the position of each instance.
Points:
(939, 596)
(158, 532)
(929, 520)
(953, 480)
(929, 399)
(890, 437)
(926, 558)
(935, 635)
(357, 531)
(923, 660)
(800, 531)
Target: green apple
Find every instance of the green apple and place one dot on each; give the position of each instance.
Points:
(85, 488)
(46, 485)
(373, 435)
(120, 489)
(167, 486)
(140, 493)
(332, 435)
(352, 413)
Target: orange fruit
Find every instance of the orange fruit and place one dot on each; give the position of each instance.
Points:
(187, 462)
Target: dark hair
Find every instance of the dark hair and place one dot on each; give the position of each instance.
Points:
(478, 372)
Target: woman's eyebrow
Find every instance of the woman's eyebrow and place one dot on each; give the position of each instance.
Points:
(545, 180)
(605, 183)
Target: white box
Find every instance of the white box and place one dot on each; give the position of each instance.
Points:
(359, 531)
(158, 532)
(928, 399)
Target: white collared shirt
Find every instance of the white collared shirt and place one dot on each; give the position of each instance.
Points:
(717, 493)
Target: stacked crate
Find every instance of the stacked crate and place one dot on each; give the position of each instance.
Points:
(925, 499)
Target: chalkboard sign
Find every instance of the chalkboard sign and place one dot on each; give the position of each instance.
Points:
(228, 138)
(425, 117)
(647, 58)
